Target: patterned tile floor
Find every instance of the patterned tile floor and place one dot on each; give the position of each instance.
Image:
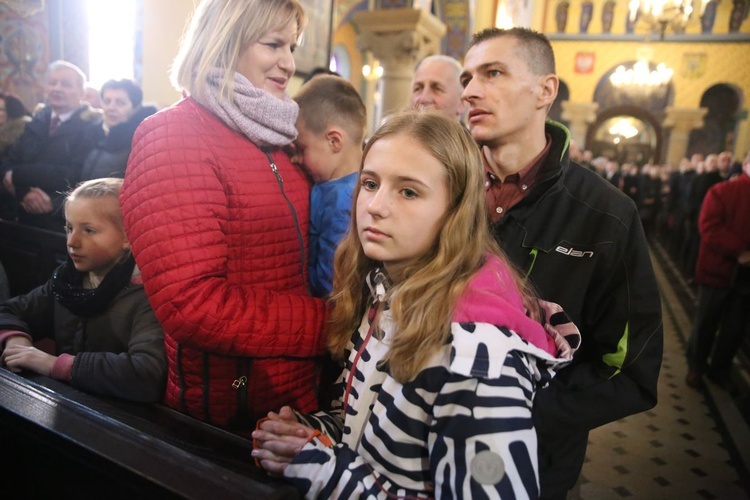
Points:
(693, 444)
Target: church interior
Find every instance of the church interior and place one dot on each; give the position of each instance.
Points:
(641, 81)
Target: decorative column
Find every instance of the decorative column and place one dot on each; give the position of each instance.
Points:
(399, 39)
(742, 134)
(682, 121)
(579, 116)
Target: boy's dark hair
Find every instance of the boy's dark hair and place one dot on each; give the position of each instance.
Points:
(331, 100)
(535, 47)
(135, 94)
(319, 70)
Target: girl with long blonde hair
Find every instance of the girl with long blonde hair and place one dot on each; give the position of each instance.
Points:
(441, 358)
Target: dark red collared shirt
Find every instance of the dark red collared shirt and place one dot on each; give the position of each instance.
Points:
(501, 195)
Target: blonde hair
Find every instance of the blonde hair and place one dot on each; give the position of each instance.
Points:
(100, 188)
(328, 101)
(219, 31)
(423, 305)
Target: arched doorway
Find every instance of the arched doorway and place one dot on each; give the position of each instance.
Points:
(625, 134)
(717, 134)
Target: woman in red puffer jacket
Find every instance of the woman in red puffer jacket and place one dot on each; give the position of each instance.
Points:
(218, 220)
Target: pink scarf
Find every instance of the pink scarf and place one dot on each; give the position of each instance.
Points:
(263, 118)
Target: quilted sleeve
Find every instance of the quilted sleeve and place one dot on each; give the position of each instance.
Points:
(176, 213)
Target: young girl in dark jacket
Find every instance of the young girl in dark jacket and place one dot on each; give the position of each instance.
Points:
(107, 338)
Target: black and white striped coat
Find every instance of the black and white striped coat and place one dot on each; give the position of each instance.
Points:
(461, 429)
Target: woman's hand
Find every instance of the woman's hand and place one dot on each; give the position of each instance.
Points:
(37, 201)
(22, 340)
(18, 357)
(8, 183)
(278, 440)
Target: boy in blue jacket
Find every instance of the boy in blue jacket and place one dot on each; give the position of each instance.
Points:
(331, 127)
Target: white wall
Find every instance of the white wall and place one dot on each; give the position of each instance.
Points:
(163, 23)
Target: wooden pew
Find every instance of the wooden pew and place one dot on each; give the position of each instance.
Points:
(58, 441)
(29, 255)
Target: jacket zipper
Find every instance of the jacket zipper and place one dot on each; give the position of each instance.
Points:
(374, 313)
(181, 378)
(79, 343)
(301, 239)
(207, 387)
(240, 384)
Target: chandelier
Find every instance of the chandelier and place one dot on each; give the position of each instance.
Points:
(640, 81)
(373, 72)
(659, 15)
(623, 129)
(641, 75)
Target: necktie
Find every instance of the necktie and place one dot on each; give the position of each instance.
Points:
(54, 124)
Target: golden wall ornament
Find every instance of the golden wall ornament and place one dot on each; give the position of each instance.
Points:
(693, 65)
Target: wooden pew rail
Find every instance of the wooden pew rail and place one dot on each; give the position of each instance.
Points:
(57, 440)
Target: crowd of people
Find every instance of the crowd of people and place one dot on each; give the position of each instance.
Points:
(669, 197)
(65, 141)
(446, 312)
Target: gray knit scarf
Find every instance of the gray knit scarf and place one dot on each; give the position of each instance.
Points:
(263, 118)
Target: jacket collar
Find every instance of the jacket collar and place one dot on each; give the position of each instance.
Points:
(553, 167)
(40, 122)
(558, 159)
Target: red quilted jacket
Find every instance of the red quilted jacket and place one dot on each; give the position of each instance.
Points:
(221, 241)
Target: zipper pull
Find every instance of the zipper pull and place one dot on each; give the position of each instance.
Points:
(381, 285)
(274, 168)
(276, 173)
(240, 382)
